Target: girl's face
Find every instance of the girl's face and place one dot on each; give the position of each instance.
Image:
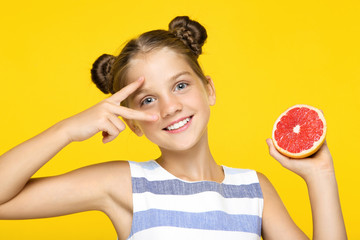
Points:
(174, 93)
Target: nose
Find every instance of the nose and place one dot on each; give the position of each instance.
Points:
(169, 106)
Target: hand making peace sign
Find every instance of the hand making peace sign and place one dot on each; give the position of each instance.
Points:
(104, 117)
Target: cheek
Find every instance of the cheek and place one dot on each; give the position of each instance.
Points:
(146, 126)
(198, 98)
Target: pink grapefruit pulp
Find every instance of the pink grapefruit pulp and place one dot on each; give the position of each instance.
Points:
(300, 131)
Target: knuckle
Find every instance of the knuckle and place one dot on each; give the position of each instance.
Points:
(116, 132)
(130, 113)
(106, 104)
(103, 120)
(121, 129)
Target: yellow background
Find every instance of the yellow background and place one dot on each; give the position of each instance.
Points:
(264, 56)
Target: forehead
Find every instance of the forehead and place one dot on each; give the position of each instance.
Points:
(157, 64)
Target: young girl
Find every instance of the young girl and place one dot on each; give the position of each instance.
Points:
(159, 90)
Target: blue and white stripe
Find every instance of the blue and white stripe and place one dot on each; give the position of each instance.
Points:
(166, 207)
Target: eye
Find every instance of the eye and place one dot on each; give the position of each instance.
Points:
(147, 101)
(181, 86)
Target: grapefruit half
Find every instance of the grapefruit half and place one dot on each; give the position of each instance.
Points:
(300, 131)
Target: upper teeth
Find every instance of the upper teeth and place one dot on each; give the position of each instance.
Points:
(178, 124)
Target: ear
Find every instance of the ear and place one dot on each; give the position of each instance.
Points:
(133, 126)
(211, 91)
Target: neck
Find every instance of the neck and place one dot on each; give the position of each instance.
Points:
(194, 164)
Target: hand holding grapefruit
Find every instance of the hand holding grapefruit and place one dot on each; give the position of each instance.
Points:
(299, 131)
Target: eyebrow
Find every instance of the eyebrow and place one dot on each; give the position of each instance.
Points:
(173, 78)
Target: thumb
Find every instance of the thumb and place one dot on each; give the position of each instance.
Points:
(268, 142)
(283, 160)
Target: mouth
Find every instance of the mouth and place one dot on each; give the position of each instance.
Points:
(179, 125)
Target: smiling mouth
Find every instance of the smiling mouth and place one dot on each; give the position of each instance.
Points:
(178, 125)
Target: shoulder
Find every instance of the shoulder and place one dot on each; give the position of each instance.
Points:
(112, 175)
(109, 171)
(272, 201)
(115, 179)
(263, 180)
(266, 186)
(116, 174)
(276, 221)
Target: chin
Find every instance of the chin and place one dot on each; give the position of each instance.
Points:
(179, 146)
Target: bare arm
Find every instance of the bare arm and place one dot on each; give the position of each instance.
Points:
(276, 221)
(88, 188)
(325, 205)
(20, 163)
(318, 173)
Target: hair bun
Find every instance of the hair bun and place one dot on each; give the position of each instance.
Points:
(101, 72)
(190, 32)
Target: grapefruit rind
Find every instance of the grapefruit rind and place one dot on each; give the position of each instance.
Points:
(309, 151)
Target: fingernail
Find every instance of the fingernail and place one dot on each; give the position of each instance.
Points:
(155, 117)
(140, 79)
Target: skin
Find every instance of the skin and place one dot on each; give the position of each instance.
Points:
(106, 186)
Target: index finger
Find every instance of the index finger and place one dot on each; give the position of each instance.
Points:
(129, 113)
(126, 91)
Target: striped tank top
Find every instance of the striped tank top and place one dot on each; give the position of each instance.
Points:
(167, 207)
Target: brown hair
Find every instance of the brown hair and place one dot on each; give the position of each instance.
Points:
(184, 36)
